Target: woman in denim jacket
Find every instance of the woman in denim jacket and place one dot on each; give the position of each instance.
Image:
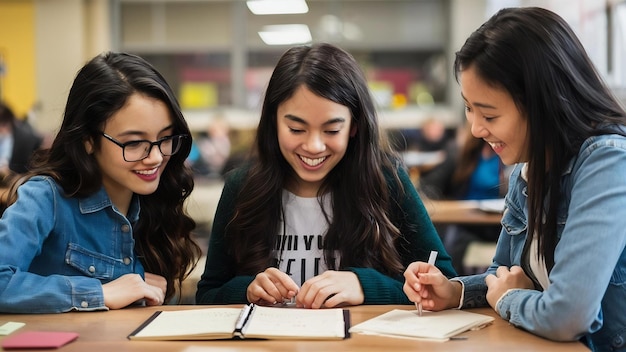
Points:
(559, 270)
(98, 223)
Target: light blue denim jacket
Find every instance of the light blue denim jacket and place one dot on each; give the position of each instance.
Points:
(56, 252)
(587, 296)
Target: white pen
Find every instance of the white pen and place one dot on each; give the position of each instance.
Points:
(431, 260)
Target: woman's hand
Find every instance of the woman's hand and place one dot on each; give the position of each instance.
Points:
(426, 284)
(270, 287)
(130, 288)
(157, 281)
(331, 289)
(504, 280)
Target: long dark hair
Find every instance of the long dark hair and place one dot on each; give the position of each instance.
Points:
(102, 87)
(535, 56)
(365, 236)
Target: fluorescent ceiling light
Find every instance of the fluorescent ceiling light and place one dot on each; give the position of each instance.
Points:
(285, 34)
(277, 7)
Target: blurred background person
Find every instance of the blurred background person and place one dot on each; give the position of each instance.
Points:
(430, 154)
(433, 137)
(18, 141)
(213, 149)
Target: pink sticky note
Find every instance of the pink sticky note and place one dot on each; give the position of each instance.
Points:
(38, 339)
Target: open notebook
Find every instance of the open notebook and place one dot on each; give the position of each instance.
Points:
(436, 326)
(251, 321)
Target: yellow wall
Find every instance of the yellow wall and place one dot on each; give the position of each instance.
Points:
(17, 53)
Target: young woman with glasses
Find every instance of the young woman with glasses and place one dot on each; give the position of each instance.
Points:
(98, 223)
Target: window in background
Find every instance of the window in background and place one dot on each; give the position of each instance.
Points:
(618, 48)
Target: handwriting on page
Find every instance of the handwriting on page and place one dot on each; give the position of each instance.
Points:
(292, 321)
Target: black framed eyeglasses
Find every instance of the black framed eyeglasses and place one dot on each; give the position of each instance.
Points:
(140, 149)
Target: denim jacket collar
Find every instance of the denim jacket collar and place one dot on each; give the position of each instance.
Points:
(101, 200)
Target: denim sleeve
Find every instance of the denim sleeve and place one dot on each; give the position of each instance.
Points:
(24, 227)
(586, 256)
(474, 286)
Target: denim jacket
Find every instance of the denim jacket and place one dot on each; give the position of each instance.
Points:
(56, 252)
(586, 298)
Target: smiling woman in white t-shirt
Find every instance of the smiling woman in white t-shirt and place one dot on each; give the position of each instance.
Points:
(324, 211)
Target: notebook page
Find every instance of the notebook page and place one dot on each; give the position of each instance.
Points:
(272, 322)
(193, 322)
(431, 325)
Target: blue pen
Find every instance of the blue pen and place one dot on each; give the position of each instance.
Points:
(431, 260)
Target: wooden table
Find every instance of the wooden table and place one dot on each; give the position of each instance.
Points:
(460, 212)
(466, 212)
(108, 331)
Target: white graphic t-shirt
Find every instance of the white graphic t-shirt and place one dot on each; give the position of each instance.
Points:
(298, 246)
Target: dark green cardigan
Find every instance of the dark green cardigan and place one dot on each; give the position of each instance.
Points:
(220, 285)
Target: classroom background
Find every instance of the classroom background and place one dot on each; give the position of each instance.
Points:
(218, 56)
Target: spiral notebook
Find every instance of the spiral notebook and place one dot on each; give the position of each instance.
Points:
(251, 321)
(436, 326)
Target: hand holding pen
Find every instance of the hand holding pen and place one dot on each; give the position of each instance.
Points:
(431, 261)
(429, 288)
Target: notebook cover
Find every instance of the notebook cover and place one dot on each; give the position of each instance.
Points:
(38, 339)
(347, 323)
(145, 323)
